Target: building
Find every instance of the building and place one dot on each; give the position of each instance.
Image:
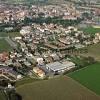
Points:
(9, 74)
(59, 68)
(39, 72)
(4, 56)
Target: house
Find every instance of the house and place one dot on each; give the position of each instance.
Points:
(39, 72)
(48, 59)
(55, 56)
(40, 61)
(9, 73)
(4, 56)
(25, 30)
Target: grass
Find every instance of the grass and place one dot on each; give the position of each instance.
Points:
(93, 51)
(78, 60)
(4, 46)
(11, 34)
(3, 34)
(62, 88)
(91, 30)
(89, 77)
(25, 80)
(2, 96)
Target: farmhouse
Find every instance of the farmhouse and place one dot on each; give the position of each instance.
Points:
(59, 68)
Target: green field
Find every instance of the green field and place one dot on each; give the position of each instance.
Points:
(4, 46)
(62, 88)
(3, 34)
(89, 77)
(2, 96)
(91, 30)
(11, 34)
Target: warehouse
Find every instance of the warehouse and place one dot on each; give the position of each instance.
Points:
(59, 68)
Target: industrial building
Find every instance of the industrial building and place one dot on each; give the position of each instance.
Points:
(59, 68)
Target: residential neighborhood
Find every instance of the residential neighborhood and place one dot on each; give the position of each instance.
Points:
(43, 42)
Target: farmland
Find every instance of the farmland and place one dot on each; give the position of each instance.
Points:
(91, 30)
(26, 80)
(4, 46)
(10, 34)
(89, 77)
(2, 96)
(56, 89)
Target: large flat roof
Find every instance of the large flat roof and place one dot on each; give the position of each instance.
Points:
(55, 66)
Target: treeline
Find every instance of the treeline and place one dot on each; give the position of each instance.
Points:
(40, 20)
(57, 20)
(16, 27)
(81, 62)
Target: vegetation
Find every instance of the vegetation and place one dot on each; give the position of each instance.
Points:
(11, 34)
(4, 46)
(93, 51)
(57, 20)
(26, 80)
(56, 89)
(89, 77)
(81, 61)
(2, 95)
(91, 30)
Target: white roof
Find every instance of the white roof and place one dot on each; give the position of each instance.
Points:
(56, 66)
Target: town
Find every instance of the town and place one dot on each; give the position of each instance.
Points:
(45, 41)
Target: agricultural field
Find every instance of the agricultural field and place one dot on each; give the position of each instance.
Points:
(4, 46)
(89, 77)
(2, 96)
(26, 80)
(3, 34)
(13, 34)
(62, 88)
(91, 30)
(10, 34)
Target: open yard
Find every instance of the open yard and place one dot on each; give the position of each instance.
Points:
(4, 46)
(93, 51)
(62, 88)
(89, 77)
